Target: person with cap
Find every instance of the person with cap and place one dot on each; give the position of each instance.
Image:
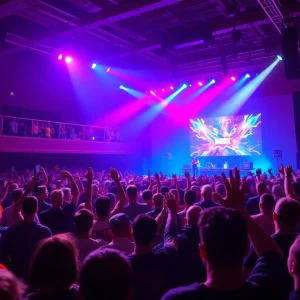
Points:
(120, 226)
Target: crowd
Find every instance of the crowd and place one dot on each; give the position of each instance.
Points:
(107, 235)
(54, 130)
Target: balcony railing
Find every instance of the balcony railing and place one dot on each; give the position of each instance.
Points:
(30, 128)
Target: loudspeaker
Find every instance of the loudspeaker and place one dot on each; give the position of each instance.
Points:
(290, 52)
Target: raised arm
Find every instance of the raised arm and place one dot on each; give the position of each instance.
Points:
(150, 181)
(271, 174)
(158, 183)
(51, 176)
(75, 190)
(88, 199)
(45, 177)
(176, 184)
(170, 238)
(188, 178)
(80, 185)
(113, 174)
(5, 191)
(288, 181)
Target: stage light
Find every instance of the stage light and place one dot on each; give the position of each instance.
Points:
(213, 81)
(190, 85)
(247, 75)
(60, 56)
(93, 138)
(279, 57)
(121, 87)
(200, 83)
(233, 78)
(184, 86)
(94, 66)
(171, 88)
(162, 90)
(68, 59)
(152, 93)
(107, 70)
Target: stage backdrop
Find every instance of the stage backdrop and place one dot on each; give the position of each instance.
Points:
(171, 143)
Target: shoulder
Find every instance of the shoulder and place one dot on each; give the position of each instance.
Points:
(187, 292)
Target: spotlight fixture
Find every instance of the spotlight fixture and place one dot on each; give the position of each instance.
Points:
(152, 93)
(107, 70)
(121, 87)
(247, 75)
(213, 81)
(233, 78)
(171, 88)
(68, 59)
(279, 57)
(60, 56)
(200, 83)
(184, 86)
(162, 90)
(190, 85)
(94, 66)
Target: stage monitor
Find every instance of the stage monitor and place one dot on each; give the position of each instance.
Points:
(226, 136)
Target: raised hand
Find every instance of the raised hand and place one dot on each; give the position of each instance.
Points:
(187, 175)
(235, 191)
(174, 176)
(258, 172)
(65, 174)
(32, 183)
(171, 201)
(281, 169)
(156, 176)
(55, 168)
(288, 170)
(270, 171)
(113, 174)
(89, 175)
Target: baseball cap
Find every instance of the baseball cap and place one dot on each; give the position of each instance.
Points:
(119, 221)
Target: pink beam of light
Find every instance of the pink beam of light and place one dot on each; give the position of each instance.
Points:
(126, 112)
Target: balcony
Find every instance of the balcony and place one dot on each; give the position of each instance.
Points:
(40, 136)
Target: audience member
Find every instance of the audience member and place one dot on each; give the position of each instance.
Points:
(293, 267)
(54, 269)
(105, 274)
(21, 239)
(190, 198)
(83, 224)
(265, 219)
(133, 209)
(277, 192)
(207, 196)
(11, 288)
(252, 205)
(147, 198)
(42, 195)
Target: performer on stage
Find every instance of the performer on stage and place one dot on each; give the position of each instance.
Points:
(195, 163)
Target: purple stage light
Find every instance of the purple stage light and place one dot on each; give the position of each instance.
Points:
(233, 78)
(171, 88)
(162, 90)
(60, 56)
(152, 93)
(68, 59)
(190, 85)
(200, 83)
(107, 70)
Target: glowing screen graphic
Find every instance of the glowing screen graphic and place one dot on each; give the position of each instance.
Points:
(226, 136)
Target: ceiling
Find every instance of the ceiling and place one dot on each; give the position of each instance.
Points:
(185, 38)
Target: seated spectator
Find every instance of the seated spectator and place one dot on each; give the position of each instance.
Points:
(54, 269)
(207, 196)
(120, 226)
(277, 192)
(42, 195)
(190, 198)
(21, 239)
(58, 218)
(265, 219)
(286, 218)
(106, 274)
(10, 287)
(252, 205)
(147, 198)
(83, 224)
(133, 209)
(224, 236)
(7, 215)
(190, 266)
(153, 272)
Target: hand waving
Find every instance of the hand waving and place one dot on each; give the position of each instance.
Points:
(288, 170)
(235, 191)
(113, 174)
(171, 201)
(281, 169)
(258, 172)
(187, 175)
(89, 175)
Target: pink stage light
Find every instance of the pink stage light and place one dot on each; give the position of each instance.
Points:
(107, 70)
(171, 88)
(233, 78)
(68, 59)
(200, 83)
(60, 56)
(162, 90)
(152, 93)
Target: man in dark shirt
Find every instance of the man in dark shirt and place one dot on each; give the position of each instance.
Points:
(20, 240)
(133, 209)
(286, 218)
(207, 196)
(224, 236)
(42, 194)
(60, 219)
(153, 272)
(252, 205)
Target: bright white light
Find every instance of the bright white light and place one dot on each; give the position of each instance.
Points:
(68, 59)
(60, 56)
(94, 66)
(213, 81)
(279, 57)
(93, 138)
(247, 75)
